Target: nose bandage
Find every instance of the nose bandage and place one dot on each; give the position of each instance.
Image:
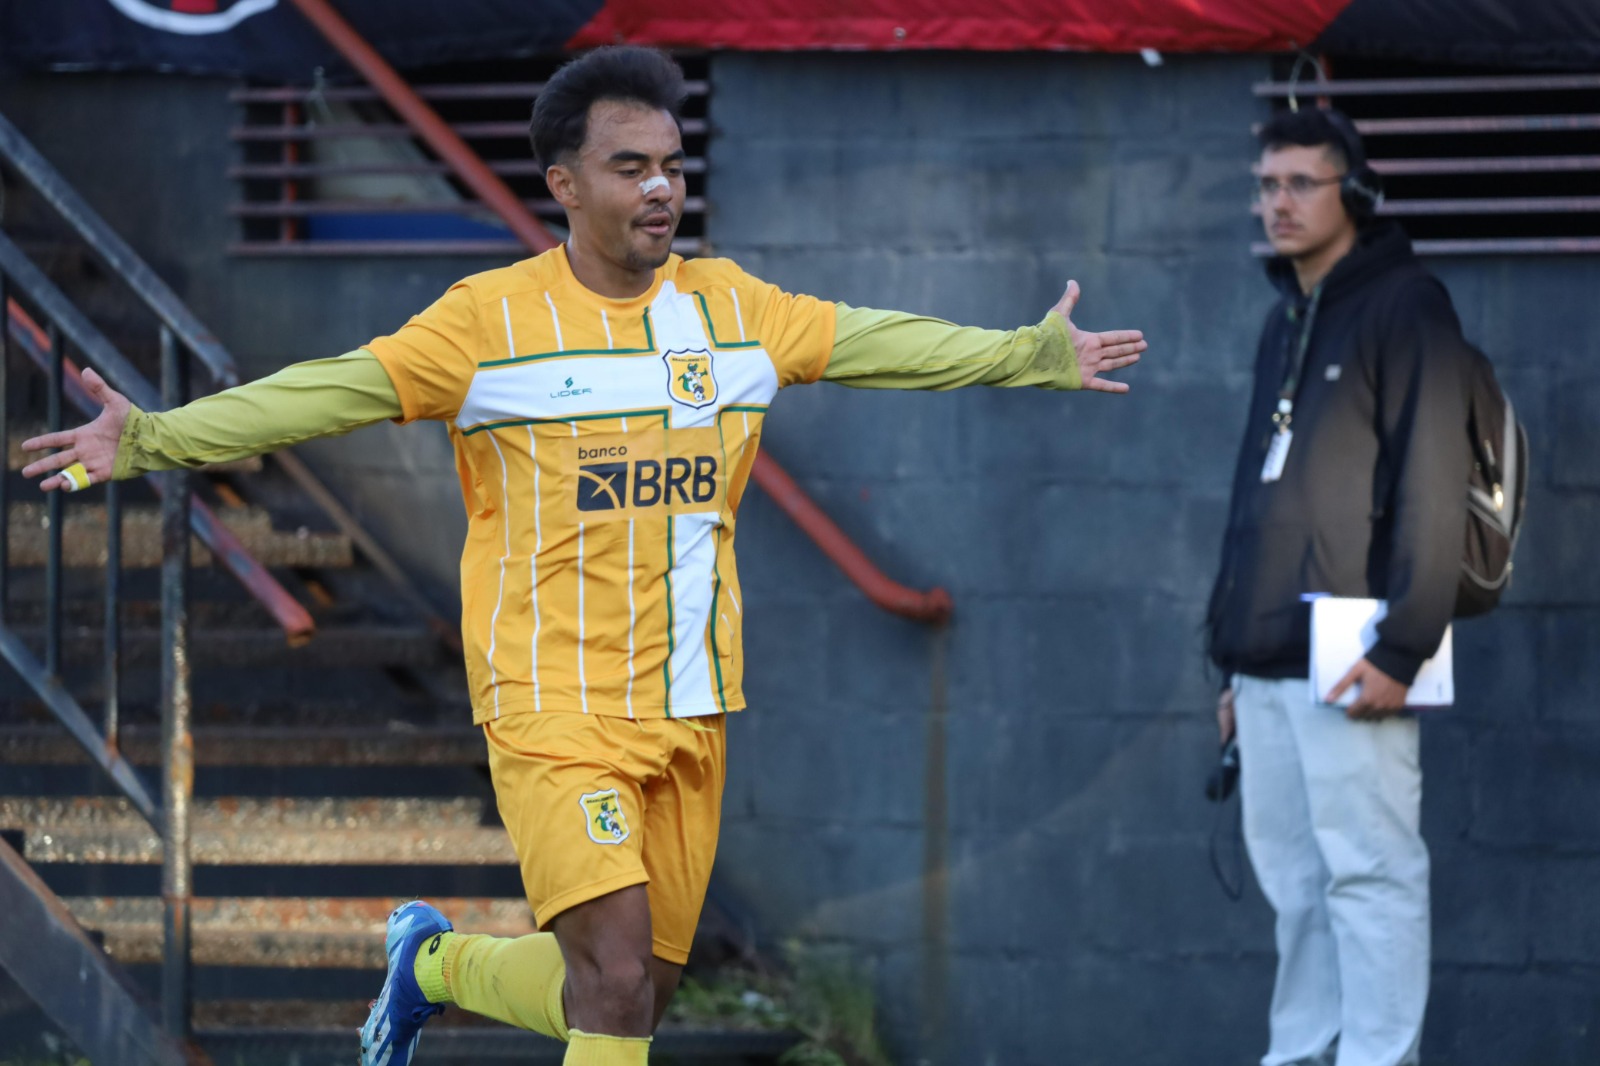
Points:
(657, 182)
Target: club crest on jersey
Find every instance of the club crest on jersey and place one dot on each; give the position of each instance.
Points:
(690, 380)
(602, 813)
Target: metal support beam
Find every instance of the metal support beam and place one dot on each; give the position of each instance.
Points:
(56, 507)
(76, 985)
(177, 745)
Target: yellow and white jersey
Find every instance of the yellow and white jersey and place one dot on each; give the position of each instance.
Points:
(603, 447)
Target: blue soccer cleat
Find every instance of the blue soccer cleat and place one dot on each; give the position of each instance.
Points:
(395, 1025)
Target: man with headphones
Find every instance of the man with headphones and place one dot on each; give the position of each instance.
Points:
(1350, 481)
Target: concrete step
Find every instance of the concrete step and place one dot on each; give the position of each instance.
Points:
(275, 831)
(50, 745)
(83, 538)
(343, 646)
(458, 1039)
(280, 931)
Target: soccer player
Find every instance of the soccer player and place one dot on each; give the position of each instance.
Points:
(605, 400)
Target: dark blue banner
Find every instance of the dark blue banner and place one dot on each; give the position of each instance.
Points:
(270, 39)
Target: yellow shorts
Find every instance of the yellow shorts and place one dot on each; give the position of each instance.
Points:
(596, 803)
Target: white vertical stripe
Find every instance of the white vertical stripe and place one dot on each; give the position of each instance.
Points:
(583, 681)
(555, 320)
(511, 342)
(606, 322)
(694, 560)
(632, 617)
(738, 314)
(494, 620)
(533, 568)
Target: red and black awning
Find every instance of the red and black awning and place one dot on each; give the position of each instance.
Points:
(269, 38)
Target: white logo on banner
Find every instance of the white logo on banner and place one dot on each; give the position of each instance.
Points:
(191, 23)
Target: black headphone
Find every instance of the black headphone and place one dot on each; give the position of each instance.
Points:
(1361, 189)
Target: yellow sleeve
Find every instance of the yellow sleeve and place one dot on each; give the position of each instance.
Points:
(795, 330)
(321, 398)
(431, 359)
(894, 350)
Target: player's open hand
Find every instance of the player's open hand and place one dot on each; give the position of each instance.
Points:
(93, 445)
(1099, 353)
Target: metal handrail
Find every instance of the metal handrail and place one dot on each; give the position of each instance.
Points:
(296, 622)
(171, 818)
(932, 606)
(219, 365)
(122, 259)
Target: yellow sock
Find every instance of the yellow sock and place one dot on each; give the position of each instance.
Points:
(591, 1049)
(513, 981)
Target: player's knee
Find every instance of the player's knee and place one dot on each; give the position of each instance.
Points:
(612, 982)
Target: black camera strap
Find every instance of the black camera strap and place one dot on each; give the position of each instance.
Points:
(1297, 349)
(1233, 887)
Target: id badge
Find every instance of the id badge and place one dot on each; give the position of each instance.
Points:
(1277, 455)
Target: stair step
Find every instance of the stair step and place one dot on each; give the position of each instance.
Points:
(342, 646)
(280, 931)
(50, 745)
(265, 832)
(83, 538)
(449, 1040)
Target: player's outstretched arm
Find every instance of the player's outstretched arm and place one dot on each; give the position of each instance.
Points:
(894, 350)
(1099, 353)
(321, 398)
(93, 445)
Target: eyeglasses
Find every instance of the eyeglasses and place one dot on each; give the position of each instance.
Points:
(1299, 186)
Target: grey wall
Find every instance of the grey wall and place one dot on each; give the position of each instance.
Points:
(1045, 754)
(1078, 921)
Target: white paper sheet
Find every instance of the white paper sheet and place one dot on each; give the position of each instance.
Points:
(1343, 629)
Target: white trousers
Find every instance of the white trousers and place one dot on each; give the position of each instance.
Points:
(1331, 822)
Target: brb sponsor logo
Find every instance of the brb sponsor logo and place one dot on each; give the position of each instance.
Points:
(192, 17)
(619, 476)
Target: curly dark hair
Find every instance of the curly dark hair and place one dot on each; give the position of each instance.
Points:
(628, 73)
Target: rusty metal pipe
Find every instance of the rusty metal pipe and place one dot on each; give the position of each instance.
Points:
(932, 606)
(427, 123)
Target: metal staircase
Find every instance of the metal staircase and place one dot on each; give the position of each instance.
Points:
(234, 635)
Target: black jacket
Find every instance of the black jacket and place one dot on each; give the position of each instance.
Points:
(1372, 499)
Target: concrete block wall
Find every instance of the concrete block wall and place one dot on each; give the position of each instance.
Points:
(1077, 920)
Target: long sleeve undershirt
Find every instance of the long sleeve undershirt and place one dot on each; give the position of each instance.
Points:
(330, 397)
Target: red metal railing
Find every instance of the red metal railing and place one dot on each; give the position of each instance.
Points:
(933, 605)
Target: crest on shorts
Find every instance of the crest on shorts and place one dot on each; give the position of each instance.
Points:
(690, 380)
(603, 818)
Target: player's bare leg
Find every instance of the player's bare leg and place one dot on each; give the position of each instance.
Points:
(664, 976)
(614, 984)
